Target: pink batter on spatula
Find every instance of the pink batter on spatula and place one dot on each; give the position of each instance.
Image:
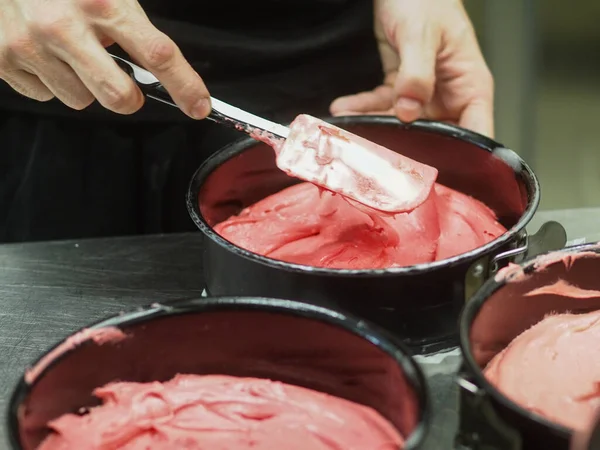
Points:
(352, 166)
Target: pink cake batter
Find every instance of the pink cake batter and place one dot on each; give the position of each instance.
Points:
(215, 412)
(306, 225)
(562, 350)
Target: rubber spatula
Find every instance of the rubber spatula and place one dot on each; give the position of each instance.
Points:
(323, 154)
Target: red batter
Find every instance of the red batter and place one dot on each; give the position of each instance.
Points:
(563, 351)
(217, 412)
(305, 225)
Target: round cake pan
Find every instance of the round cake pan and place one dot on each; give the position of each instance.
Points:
(419, 303)
(498, 313)
(282, 340)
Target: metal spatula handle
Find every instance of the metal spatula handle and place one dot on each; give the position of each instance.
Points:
(222, 113)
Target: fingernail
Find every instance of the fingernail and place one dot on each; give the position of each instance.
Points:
(201, 109)
(409, 108)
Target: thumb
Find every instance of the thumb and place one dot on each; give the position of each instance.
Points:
(415, 83)
(479, 117)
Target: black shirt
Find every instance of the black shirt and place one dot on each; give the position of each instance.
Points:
(267, 56)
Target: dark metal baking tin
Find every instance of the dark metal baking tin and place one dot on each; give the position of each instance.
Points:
(420, 303)
(283, 340)
(497, 314)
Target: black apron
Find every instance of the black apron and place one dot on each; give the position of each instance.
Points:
(69, 174)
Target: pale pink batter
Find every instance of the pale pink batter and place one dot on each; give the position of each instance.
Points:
(553, 368)
(306, 225)
(215, 412)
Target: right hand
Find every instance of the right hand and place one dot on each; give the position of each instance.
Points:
(56, 48)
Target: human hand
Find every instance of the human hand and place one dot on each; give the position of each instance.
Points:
(433, 67)
(587, 438)
(56, 48)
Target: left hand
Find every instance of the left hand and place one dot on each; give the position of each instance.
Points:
(433, 67)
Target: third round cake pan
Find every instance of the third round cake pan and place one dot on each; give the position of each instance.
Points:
(525, 382)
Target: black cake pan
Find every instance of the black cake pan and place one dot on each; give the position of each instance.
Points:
(283, 340)
(419, 303)
(497, 314)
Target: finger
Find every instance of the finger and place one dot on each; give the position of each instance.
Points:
(438, 112)
(91, 72)
(479, 117)
(28, 85)
(110, 85)
(414, 87)
(53, 73)
(156, 52)
(64, 83)
(378, 99)
(60, 79)
(105, 41)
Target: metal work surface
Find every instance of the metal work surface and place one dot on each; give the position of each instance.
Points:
(49, 290)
